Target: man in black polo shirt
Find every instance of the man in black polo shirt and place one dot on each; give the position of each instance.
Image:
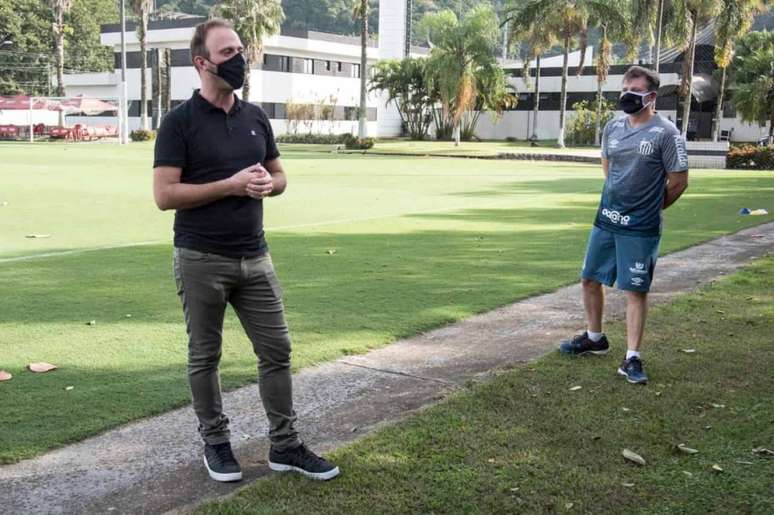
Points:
(215, 162)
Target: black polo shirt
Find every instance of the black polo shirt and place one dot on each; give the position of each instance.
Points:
(209, 144)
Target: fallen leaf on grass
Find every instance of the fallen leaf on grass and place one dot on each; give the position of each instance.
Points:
(687, 473)
(689, 351)
(491, 460)
(91, 322)
(741, 462)
(568, 505)
(515, 489)
(717, 468)
(5, 376)
(68, 388)
(764, 451)
(687, 450)
(41, 367)
(575, 388)
(633, 457)
(626, 409)
(627, 485)
(330, 252)
(34, 236)
(718, 406)
(128, 315)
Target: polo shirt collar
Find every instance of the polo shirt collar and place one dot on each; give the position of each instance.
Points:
(205, 105)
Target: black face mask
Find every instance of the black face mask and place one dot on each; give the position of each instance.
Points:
(232, 71)
(632, 103)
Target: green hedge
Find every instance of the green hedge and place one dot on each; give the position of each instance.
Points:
(750, 157)
(323, 139)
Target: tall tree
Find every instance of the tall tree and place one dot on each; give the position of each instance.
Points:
(614, 25)
(534, 41)
(460, 48)
(694, 13)
(752, 76)
(59, 9)
(142, 9)
(571, 21)
(734, 20)
(253, 20)
(360, 12)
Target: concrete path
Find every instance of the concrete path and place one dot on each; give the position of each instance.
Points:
(154, 465)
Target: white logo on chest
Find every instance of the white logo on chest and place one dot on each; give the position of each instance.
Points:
(646, 147)
(253, 132)
(613, 143)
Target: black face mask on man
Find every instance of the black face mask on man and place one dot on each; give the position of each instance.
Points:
(232, 71)
(632, 102)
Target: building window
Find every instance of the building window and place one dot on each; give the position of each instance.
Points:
(327, 66)
(338, 66)
(308, 66)
(355, 71)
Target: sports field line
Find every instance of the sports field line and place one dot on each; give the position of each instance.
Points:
(278, 228)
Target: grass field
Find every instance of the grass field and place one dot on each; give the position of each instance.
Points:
(525, 443)
(418, 242)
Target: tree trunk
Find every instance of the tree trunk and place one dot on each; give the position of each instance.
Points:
(248, 71)
(60, 90)
(563, 96)
(598, 121)
(144, 76)
(537, 99)
(658, 34)
(362, 129)
(689, 78)
(719, 109)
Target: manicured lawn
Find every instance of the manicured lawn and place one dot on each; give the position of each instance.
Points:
(526, 443)
(418, 242)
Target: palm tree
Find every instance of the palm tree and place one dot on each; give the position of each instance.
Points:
(360, 12)
(614, 25)
(535, 40)
(734, 20)
(142, 9)
(460, 48)
(752, 74)
(571, 21)
(693, 12)
(59, 8)
(253, 20)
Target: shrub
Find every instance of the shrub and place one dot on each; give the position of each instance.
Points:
(359, 143)
(750, 157)
(581, 126)
(323, 139)
(142, 135)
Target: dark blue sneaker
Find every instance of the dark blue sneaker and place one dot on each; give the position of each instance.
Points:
(632, 370)
(221, 463)
(304, 461)
(582, 344)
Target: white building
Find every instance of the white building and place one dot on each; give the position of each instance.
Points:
(313, 67)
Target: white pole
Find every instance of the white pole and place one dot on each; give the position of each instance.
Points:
(124, 110)
(32, 126)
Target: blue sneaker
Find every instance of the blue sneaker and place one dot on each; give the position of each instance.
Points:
(582, 344)
(632, 370)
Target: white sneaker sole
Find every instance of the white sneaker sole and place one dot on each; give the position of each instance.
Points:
(224, 478)
(622, 373)
(319, 476)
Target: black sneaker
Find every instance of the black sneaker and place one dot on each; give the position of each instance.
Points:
(220, 462)
(632, 370)
(304, 461)
(582, 344)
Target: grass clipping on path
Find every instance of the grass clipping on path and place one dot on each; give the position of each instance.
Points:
(525, 443)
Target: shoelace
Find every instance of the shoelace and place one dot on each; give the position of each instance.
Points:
(224, 453)
(308, 457)
(635, 365)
